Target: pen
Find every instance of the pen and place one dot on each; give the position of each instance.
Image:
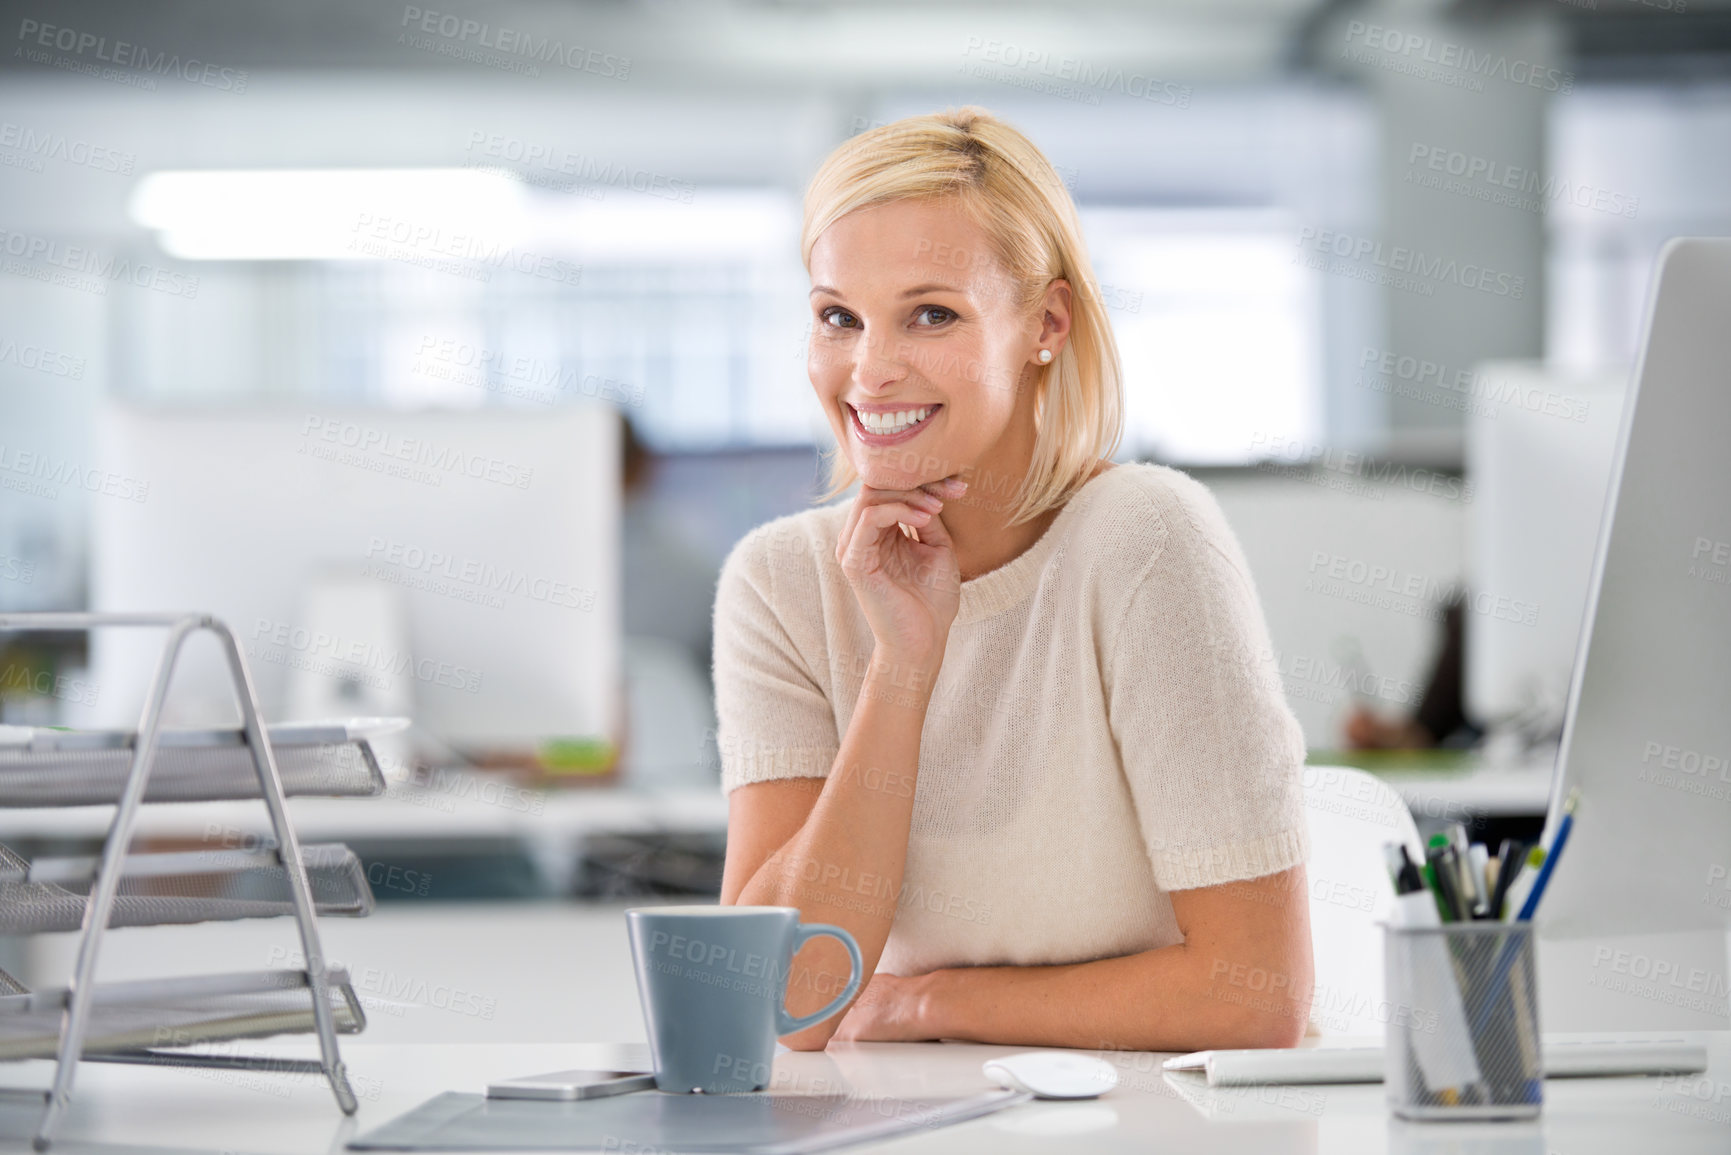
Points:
(1509, 860)
(1394, 855)
(1465, 887)
(1437, 875)
(1449, 877)
(1523, 882)
(1556, 852)
(1403, 872)
(1479, 861)
(1428, 873)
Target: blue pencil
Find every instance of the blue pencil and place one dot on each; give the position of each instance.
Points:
(1550, 863)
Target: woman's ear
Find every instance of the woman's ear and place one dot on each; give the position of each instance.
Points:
(1055, 315)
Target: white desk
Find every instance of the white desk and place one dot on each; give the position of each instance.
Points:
(480, 810)
(1493, 792)
(1451, 786)
(183, 1110)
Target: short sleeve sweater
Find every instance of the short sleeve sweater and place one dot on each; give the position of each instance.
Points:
(1104, 728)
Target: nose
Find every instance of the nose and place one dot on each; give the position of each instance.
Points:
(877, 365)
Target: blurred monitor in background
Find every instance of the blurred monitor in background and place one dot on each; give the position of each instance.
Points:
(669, 581)
(669, 599)
(1540, 470)
(458, 566)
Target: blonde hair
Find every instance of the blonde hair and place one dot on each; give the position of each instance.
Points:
(1010, 190)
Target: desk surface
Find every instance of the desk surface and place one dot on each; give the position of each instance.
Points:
(1450, 784)
(136, 1107)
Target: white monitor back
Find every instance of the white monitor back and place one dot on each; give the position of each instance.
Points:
(1540, 463)
(1647, 735)
(464, 562)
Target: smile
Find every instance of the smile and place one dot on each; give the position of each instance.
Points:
(889, 428)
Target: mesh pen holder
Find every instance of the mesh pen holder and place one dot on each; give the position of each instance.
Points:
(1462, 1035)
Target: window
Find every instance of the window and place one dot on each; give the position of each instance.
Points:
(688, 314)
(1217, 329)
(1629, 166)
(691, 315)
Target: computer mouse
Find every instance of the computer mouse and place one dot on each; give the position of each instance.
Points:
(1053, 1074)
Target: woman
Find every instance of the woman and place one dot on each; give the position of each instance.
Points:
(1005, 714)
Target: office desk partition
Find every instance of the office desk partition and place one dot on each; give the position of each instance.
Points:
(1150, 1110)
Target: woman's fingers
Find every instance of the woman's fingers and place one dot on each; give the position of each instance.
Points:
(876, 511)
(873, 520)
(846, 535)
(889, 518)
(898, 556)
(933, 531)
(869, 497)
(871, 528)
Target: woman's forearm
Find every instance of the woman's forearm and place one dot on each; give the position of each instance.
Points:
(1170, 999)
(844, 865)
(1241, 977)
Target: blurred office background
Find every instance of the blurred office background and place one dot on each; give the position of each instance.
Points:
(1377, 272)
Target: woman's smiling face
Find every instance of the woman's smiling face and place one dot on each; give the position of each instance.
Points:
(912, 311)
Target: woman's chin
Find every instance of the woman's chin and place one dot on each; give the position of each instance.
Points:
(880, 478)
(882, 468)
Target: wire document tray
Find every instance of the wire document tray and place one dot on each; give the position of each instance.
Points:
(50, 894)
(180, 1012)
(153, 1021)
(45, 767)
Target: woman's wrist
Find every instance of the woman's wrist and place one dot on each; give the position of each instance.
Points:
(934, 1004)
(901, 677)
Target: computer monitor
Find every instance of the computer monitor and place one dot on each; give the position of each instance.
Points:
(462, 566)
(1647, 732)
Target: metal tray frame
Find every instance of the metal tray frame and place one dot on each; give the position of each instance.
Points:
(47, 895)
(117, 1037)
(89, 768)
(81, 991)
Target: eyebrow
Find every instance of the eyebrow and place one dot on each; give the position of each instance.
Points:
(913, 292)
(932, 286)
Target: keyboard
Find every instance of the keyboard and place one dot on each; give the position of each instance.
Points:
(1570, 1055)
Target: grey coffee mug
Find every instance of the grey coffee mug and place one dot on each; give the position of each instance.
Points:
(713, 980)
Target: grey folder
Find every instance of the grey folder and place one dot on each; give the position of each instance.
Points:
(751, 1124)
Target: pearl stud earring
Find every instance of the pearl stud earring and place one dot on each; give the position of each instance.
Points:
(1045, 356)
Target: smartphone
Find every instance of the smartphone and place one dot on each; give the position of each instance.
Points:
(569, 1085)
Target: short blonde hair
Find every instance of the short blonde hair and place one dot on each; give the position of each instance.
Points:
(1011, 191)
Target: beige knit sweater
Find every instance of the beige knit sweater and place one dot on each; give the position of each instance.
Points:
(1103, 729)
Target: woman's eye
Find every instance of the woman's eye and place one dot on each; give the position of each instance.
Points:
(937, 314)
(838, 318)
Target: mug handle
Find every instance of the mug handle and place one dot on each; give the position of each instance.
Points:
(786, 1024)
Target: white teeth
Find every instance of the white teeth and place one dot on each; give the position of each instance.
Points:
(890, 423)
